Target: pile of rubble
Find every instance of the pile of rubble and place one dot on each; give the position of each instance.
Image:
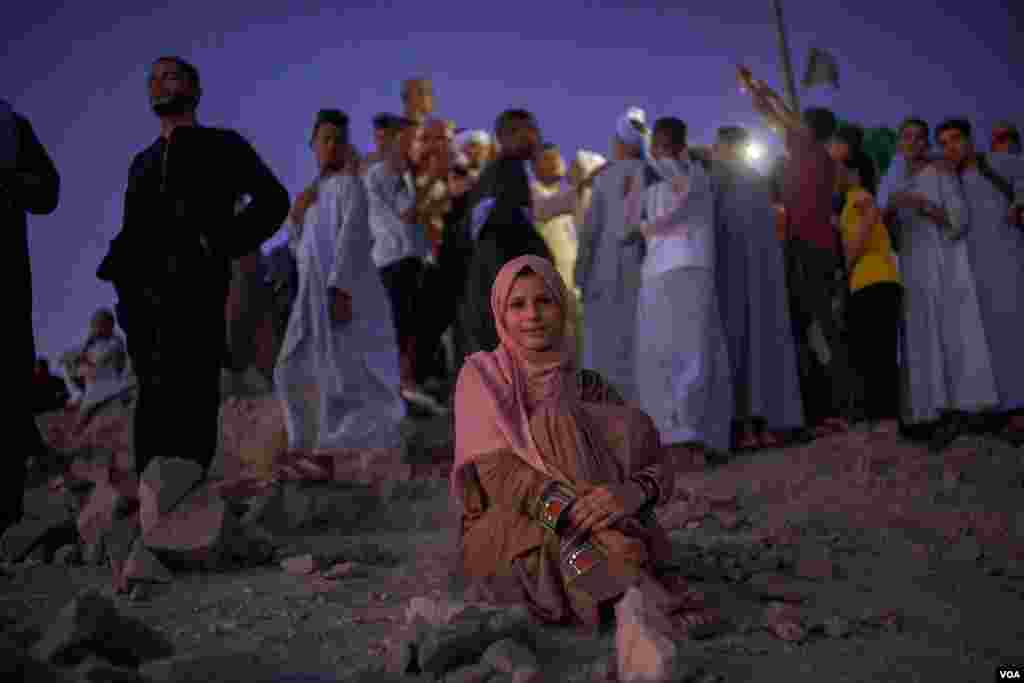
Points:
(90, 641)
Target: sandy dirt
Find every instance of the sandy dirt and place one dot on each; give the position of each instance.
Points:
(915, 564)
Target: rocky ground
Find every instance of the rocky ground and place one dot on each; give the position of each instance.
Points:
(858, 557)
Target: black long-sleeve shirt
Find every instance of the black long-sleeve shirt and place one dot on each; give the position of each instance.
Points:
(181, 201)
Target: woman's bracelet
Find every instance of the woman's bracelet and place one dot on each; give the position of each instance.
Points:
(553, 504)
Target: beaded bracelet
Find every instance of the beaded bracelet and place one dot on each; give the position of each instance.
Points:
(553, 504)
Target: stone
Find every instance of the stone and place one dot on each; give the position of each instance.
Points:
(132, 642)
(448, 647)
(201, 667)
(526, 675)
(510, 622)
(435, 611)
(507, 656)
(300, 565)
(67, 556)
(293, 506)
(96, 670)
(199, 532)
(815, 569)
(39, 555)
(785, 622)
(968, 550)
(474, 673)
(143, 566)
(165, 484)
(645, 650)
(729, 519)
(17, 665)
(141, 592)
(88, 618)
(25, 536)
(837, 627)
(402, 657)
(343, 570)
(772, 586)
(91, 624)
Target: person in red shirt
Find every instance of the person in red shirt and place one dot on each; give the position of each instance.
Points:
(817, 276)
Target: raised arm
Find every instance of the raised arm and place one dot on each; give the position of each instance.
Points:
(769, 104)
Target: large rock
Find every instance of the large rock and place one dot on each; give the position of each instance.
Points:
(465, 634)
(446, 648)
(91, 624)
(29, 535)
(200, 531)
(96, 670)
(165, 483)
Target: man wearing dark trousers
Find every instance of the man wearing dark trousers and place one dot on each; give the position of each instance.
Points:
(28, 183)
(171, 263)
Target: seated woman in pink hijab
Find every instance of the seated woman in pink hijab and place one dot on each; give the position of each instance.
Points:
(555, 476)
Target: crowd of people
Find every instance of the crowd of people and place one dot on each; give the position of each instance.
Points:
(603, 319)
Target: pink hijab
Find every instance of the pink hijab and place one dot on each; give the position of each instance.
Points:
(497, 391)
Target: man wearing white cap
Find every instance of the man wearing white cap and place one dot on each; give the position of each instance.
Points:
(475, 146)
(608, 262)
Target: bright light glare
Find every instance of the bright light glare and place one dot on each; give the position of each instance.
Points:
(754, 151)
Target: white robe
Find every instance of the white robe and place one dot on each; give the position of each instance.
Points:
(683, 376)
(947, 364)
(112, 378)
(354, 365)
(608, 276)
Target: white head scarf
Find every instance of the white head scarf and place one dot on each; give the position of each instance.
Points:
(625, 129)
(471, 137)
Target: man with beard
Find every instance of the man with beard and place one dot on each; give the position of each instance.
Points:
(28, 183)
(497, 228)
(171, 263)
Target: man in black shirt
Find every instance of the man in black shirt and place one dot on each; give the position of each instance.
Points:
(171, 263)
(28, 183)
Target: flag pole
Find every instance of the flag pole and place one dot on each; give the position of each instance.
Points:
(787, 62)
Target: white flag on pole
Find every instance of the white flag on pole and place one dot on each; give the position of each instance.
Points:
(822, 69)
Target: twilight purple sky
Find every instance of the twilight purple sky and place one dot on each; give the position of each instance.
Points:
(78, 73)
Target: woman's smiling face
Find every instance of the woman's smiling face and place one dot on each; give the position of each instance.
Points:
(532, 315)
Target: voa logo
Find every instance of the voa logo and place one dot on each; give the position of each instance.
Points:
(1009, 674)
